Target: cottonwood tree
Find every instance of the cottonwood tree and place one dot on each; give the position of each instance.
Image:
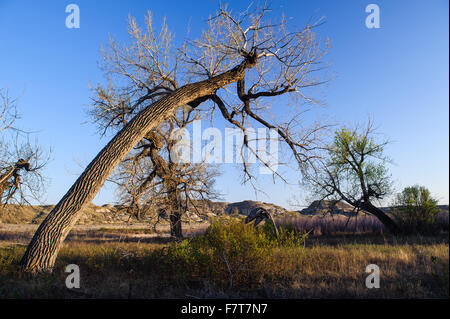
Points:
(155, 176)
(21, 162)
(239, 65)
(353, 169)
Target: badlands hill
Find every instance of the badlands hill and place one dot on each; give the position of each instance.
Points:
(203, 211)
(325, 207)
(109, 214)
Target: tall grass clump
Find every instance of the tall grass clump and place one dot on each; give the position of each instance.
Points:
(231, 254)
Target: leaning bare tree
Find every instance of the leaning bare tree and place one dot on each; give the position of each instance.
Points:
(239, 65)
(21, 162)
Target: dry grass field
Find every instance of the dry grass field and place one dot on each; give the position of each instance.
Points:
(234, 261)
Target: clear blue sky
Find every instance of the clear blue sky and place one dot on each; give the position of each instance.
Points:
(397, 74)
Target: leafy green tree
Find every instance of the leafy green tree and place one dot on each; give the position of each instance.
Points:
(353, 169)
(416, 210)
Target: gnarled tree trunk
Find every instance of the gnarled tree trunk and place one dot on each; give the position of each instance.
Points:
(175, 211)
(42, 251)
(175, 224)
(385, 219)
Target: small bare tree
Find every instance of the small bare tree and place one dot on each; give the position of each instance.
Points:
(239, 65)
(152, 173)
(21, 162)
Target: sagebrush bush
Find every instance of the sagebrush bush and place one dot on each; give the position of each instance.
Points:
(230, 253)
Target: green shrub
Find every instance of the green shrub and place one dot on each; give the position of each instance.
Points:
(286, 236)
(416, 210)
(229, 254)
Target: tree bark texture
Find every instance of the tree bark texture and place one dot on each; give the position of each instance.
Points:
(41, 253)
